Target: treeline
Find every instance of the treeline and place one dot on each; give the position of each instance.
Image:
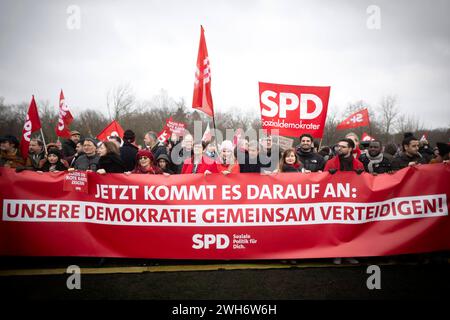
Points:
(387, 123)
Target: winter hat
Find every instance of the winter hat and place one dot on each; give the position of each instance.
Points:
(54, 151)
(129, 135)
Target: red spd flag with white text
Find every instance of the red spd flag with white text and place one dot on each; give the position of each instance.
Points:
(366, 137)
(113, 129)
(32, 123)
(202, 98)
(65, 118)
(355, 120)
(293, 110)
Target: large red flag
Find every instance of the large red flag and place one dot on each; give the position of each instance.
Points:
(357, 119)
(65, 118)
(113, 129)
(202, 99)
(32, 124)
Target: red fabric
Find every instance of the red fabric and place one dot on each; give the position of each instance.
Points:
(112, 129)
(357, 119)
(65, 118)
(38, 218)
(206, 164)
(334, 163)
(226, 167)
(290, 110)
(202, 98)
(32, 124)
(356, 152)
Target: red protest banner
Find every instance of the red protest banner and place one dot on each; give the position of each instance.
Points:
(293, 110)
(242, 216)
(76, 181)
(175, 127)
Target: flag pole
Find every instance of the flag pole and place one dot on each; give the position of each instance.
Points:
(43, 141)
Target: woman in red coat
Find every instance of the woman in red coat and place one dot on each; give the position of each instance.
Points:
(199, 163)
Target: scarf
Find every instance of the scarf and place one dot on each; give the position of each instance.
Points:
(373, 160)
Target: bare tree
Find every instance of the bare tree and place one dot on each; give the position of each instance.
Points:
(388, 112)
(120, 101)
(409, 123)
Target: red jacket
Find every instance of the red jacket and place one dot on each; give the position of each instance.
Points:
(224, 167)
(206, 164)
(336, 164)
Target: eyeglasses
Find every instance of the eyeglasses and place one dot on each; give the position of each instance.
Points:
(143, 158)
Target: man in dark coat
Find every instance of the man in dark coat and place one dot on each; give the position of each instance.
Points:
(128, 151)
(69, 146)
(374, 160)
(410, 155)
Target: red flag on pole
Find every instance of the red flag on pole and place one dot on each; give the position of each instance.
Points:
(32, 124)
(366, 137)
(65, 118)
(357, 119)
(202, 99)
(112, 129)
(164, 135)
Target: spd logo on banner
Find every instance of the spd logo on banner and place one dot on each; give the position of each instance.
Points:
(293, 110)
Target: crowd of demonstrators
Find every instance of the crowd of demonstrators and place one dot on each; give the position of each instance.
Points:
(181, 155)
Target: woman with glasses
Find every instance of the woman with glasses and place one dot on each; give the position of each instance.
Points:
(145, 163)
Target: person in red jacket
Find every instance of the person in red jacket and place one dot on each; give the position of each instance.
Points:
(227, 162)
(199, 162)
(344, 160)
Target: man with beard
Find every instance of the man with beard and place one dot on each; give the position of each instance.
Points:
(374, 160)
(312, 162)
(344, 160)
(410, 155)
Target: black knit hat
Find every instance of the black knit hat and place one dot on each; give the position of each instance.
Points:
(54, 151)
(129, 135)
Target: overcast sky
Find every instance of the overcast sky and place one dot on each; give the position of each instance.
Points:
(153, 45)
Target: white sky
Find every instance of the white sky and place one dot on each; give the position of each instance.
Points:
(153, 45)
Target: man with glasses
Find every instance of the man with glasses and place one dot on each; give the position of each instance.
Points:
(344, 161)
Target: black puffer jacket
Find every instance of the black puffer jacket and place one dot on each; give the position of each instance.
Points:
(311, 161)
(402, 160)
